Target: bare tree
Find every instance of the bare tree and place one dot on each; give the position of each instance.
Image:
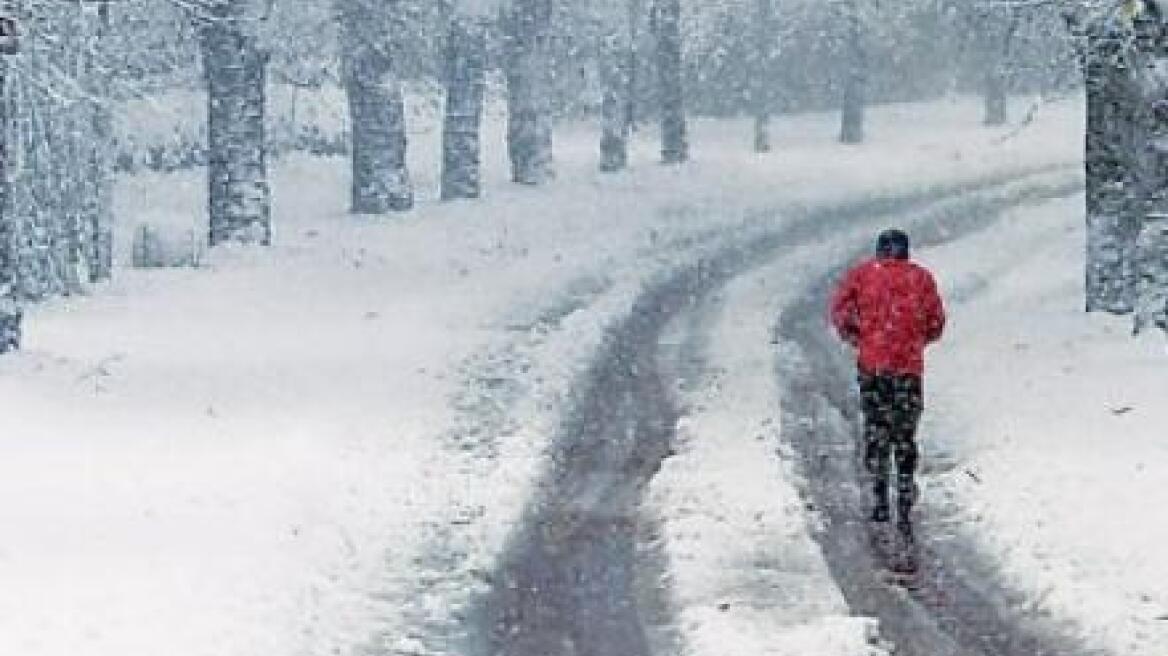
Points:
(99, 199)
(235, 68)
(614, 106)
(1112, 221)
(666, 23)
(855, 76)
(635, 30)
(1150, 73)
(465, 81)
(528, 65)
(1124, 52)
(53, 190)
(10, 315)
(762, 86)
(381, 181)
(995, 26)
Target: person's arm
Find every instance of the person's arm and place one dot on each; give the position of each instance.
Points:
(844, 314)
(934, 310)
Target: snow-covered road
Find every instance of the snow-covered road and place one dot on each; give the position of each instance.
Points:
(325, 448)
(743, 574)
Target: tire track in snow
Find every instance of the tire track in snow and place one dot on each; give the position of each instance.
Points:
(569, 582)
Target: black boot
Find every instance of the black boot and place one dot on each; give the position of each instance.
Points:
(906, 547)
(905, 528)
(905, 559)
(906, 498)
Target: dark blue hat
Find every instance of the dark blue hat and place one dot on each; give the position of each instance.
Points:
(893, 243)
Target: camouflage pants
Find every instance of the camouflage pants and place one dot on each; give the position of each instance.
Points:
(892, 406)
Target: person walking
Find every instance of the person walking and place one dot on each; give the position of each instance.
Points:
(888, 308)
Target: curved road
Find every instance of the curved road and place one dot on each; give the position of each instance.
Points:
(576, 579)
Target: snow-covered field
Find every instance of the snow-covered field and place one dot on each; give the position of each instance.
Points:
(310, 449)
(1046, 431)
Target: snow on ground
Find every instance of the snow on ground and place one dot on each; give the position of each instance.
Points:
(314, 448)
(1045, 430)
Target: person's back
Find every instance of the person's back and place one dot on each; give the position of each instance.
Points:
(889, 309)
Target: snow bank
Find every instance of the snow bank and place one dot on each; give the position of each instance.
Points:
(1044, 438)
(321, 447)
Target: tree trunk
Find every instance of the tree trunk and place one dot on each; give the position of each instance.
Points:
(64, 189)
(995, 96)
(46, 234)
(69, 155)
(1112, 213)
(528, 67)
(667, 30)
(855, 78)
(762, 96)
(74, 150)
(1152, 265)
(381, 180)
(34, 207)
(9, 230)
(997, 29)
(633, 65)
(762, 132)
(465, 81)
(1150, 71)
(614, 112)
(10, 313)
(235, 68)
(99, 205)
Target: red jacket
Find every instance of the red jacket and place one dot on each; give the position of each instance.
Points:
(889, 309)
